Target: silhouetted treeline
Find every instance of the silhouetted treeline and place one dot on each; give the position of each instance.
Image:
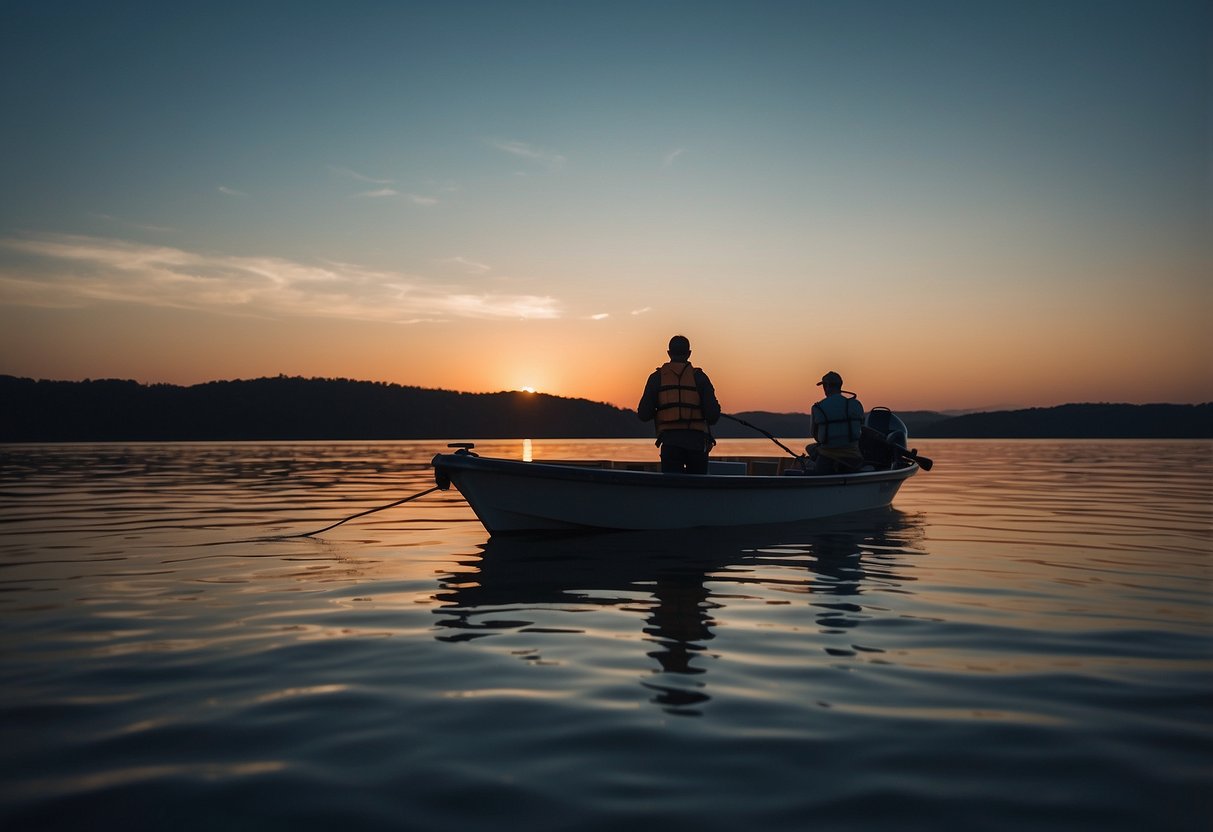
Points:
(1069, 421)
(1082, 421)
(292, 408)
(299, 409)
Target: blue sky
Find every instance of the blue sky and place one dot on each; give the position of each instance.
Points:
(957, 204)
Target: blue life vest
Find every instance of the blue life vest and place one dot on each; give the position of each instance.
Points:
(837, 421)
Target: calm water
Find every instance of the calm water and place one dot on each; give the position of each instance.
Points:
(1025, 642)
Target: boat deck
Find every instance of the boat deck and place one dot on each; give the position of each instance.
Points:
(750, 466)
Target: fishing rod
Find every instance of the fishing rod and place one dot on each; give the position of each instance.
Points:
(905, 454)
(764, 433)
(360, 514)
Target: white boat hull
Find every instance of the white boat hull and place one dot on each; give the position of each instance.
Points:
(512, 496)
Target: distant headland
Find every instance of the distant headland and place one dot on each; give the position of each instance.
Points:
(293, 408)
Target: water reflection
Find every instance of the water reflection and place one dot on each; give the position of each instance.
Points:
(680, 623)
(680, 582)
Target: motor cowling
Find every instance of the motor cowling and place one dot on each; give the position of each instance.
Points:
(888, 424)
(883, 433)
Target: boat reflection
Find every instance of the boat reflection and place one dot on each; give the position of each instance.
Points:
(679, 581)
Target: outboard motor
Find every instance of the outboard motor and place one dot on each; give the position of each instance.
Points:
(882, 429)
(889, 425)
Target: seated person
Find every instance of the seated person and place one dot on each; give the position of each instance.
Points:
(837, 425)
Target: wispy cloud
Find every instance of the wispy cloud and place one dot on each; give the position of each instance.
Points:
(671, 157)
(224, 189)
(551, 160)
(642, 310)
(353, 174)
(601, 316)
(500, 306)
(468, 265)
(384, 192)
(76, 271)
(388, 193)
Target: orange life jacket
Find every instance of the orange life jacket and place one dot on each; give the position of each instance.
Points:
(678, 404)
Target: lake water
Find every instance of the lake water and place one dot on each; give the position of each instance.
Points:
(1025, 642)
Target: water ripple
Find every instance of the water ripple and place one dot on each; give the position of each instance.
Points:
(1023, 642)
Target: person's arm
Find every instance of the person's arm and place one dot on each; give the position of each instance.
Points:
(707, 397)
(814, 424)
(647, 409)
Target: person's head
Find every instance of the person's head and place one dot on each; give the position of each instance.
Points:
(680, 348)
(831, 382)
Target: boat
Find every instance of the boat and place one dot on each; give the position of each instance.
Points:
(513, 496)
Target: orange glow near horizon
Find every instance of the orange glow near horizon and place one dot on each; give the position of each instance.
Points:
(928, 366)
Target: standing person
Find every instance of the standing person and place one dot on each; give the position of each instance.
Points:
(836, 423)
(681, 401)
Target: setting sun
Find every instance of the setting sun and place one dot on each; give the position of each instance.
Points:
(527, 389)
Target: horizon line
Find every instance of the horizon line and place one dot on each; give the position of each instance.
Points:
(950, 412)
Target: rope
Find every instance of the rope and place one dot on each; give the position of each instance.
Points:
(359, 514)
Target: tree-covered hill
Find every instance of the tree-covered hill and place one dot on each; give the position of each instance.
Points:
(1082, 421)
(292, 408)
(299, 408)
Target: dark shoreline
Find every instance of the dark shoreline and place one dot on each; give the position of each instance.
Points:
(292, 408)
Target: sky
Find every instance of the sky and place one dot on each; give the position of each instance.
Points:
(956, 205)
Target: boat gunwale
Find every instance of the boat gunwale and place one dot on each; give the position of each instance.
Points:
(616, 476)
